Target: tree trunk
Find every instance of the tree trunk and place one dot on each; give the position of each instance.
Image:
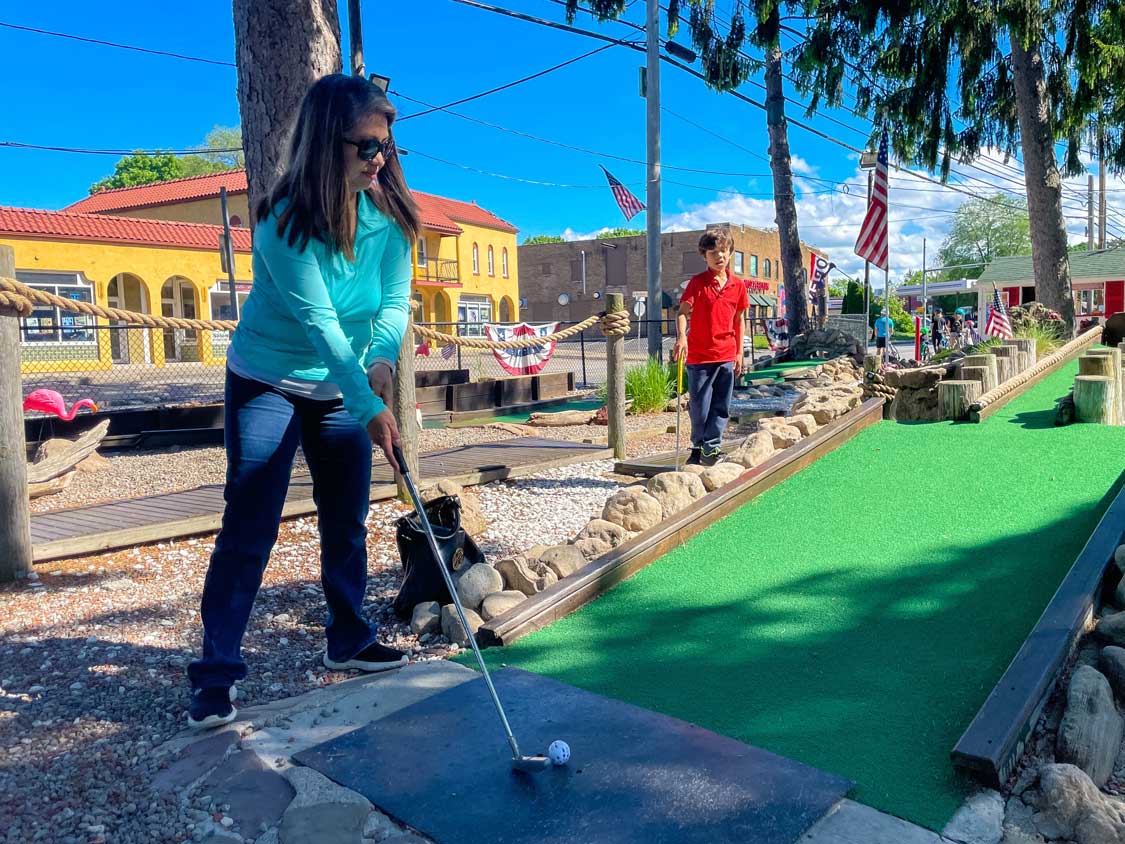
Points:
(1094, 399)
(793, 271)
(954, 398)
(282, 47)
(1044, 182)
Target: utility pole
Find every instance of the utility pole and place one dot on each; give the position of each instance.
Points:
(867, 264)
(355, 38)
(1101, 187)
(925, 300)
(652, 195)
(1090, 213)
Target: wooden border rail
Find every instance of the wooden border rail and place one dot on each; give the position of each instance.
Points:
(995, 739)
(605, 572)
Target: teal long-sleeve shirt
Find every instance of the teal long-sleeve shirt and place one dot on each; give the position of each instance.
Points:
(314, 315)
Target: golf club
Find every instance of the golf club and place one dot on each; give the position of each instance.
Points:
(530, 764)
(679, 405)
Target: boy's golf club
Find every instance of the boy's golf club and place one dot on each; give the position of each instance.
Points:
(679, 405)
(531, 764)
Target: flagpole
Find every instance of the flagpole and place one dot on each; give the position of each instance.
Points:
(652, 195)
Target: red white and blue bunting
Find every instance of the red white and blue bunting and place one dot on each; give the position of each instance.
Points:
(527, 361)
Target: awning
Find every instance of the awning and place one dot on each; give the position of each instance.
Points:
(762, 301)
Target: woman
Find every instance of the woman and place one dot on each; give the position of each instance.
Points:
(311, 364)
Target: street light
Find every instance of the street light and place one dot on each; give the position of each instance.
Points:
(383, 83)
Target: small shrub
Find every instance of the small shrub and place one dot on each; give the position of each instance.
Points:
(1047, 336)
(649, 386)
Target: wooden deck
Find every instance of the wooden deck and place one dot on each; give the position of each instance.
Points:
(119, 524)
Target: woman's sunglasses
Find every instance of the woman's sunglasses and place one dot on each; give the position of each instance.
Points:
(371, 147)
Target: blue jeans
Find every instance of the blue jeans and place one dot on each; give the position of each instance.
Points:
(263, 426)
(710, 386)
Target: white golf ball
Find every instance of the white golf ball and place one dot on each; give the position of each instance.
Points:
(558, 752)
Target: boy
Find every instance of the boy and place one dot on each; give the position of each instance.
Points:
(884, 328)
(715, 300)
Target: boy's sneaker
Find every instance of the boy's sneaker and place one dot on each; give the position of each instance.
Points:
(211, 707)
(709, 458)
(695, 458)
(374, 657)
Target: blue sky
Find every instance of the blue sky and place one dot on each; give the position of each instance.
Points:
(67, 93)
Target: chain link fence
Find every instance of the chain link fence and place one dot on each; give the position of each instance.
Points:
(126, 367)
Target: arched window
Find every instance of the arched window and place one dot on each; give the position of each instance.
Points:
(236, 221)
(768, 269)
(491, 262)
(476, 260)
(504, 262)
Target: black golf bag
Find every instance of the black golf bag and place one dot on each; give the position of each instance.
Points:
(421, 580)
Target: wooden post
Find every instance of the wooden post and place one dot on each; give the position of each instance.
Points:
(1009, 352)
(954, 398)
(1005, 369)
(1105, 362)
(1027, 344)
(15, 515)
(355, 38)
(871, 363)
(615, 386)
(987, 361)
(403, 405)
(1095, 399)
(978, 373)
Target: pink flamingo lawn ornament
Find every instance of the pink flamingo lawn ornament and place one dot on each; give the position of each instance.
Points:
(48, 401)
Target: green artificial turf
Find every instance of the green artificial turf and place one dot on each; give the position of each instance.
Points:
(856, 616)
(778, 370)
(520, 418)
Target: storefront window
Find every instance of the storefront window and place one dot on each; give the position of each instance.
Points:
(474, 312)
(48, 324)
(1090, 301)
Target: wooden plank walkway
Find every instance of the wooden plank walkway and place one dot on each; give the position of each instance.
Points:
(654, 464)
(119, 524)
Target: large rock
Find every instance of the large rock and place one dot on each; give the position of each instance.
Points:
(720, 474)
(633, 508)
(980, 819)
(426, 618)
(1111, 628)
(255, 794)
(563, 560)
(451, 625)
(784, 436)
(692, 468)
(824, 405)
(675, 491)
(477, 582)
(1111, 662)
(1071, 808)
(916, 406)
(914, 379)
(1090, 732)
(322, 812)
(499, 603)
(472, 517)
(803, 422)
(519, 575)
(599, 537)
(755, 450)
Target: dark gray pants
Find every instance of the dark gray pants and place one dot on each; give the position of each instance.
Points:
(710, 386)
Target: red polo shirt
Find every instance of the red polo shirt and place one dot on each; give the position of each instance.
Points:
(715, 311)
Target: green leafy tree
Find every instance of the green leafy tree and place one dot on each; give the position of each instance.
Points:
(542, 238)
(618, 233)
(140, 168)
(984, 229)
(837, 289)
(222, 151)
(904, 322)
(853, 298)
(949, 81)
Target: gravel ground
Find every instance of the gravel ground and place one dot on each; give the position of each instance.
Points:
(93, 652)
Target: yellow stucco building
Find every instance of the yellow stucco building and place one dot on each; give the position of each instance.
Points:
(155, 249)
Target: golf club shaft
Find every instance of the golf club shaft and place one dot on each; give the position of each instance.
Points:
(429, 531)
(679, 406)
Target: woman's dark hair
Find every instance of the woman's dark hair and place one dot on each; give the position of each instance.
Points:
(321, 205)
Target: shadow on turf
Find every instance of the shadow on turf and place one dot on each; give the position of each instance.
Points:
(895, 664)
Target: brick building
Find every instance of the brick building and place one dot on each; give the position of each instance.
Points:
(568, 281)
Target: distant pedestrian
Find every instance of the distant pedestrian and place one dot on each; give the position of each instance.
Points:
(884, 330)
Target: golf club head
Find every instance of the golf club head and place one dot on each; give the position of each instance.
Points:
(531, 764)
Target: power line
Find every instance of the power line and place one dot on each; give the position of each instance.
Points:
(114, 44)
(432, 108)
(413, 151)
(118, 152)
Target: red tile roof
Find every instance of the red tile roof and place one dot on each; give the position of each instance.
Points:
(463, 212)
(31, 222)
(162, 193)
(438, 213)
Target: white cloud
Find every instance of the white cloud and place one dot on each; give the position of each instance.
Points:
(571, 234)
(920, 210)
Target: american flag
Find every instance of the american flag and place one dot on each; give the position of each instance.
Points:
(630, 206)
(872, 242)
(448, 351)
(998, 324)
